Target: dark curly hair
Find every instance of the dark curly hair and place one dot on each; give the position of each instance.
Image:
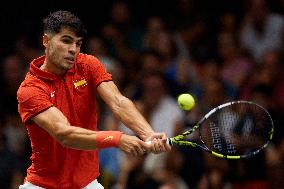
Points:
(58, 20)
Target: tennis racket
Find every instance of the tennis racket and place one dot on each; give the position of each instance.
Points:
(234, 130)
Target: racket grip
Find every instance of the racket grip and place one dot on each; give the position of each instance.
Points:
(168, 142)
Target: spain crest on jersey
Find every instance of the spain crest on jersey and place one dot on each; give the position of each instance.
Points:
(80, 83)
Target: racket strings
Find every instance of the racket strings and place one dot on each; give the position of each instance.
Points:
(237, 129)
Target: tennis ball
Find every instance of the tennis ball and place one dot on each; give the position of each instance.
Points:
(186, 101)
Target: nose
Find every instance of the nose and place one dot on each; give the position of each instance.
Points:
(72, 48)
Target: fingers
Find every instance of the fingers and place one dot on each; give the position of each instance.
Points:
(156, 146)
(141, 148)
(133, 146)
(159, 146)
(162, 136)
(136, 150)
(159, 143)
(136, 147)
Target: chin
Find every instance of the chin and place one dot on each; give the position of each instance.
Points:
(68, 67)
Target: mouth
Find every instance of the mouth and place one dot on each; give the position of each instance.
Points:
(70, 60)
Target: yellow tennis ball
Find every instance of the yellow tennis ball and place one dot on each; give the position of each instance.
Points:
(186, 101)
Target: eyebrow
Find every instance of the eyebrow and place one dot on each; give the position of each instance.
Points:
(67, 36)
(72, 38)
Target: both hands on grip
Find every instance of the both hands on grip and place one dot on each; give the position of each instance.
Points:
(156, 143)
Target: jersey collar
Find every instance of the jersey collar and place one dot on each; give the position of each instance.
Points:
(35, 69)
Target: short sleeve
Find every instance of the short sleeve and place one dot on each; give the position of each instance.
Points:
(31, 101)
(98, 72)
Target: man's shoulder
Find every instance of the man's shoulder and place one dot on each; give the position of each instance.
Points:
(88, 64)
(30, 84)
(31, 79)
(85, 59)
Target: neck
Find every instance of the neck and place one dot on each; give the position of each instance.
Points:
(48, 67)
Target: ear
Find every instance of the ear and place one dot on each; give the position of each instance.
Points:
(45, 40)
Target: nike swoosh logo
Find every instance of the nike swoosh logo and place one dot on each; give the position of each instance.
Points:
(52, 94)
(108, 138)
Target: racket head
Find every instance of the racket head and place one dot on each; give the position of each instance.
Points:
(235, 130)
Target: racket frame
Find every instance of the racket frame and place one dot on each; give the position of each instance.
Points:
(179, 139)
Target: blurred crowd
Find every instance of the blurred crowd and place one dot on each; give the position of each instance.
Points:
(234, 52)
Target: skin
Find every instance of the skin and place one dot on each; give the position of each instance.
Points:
(61, 50)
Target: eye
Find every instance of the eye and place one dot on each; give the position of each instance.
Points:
(66, 40)
(79, 43)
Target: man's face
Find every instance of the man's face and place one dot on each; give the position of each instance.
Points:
(61, 50)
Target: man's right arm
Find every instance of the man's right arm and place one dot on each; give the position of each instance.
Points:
(56, 124)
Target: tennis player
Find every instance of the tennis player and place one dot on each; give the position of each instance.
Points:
(57, 103)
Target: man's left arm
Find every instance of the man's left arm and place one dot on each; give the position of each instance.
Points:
(125, 110)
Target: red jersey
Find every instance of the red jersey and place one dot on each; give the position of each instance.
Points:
(54, 166)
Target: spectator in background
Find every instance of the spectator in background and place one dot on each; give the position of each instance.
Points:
(149, 61)
(132, 175)
(13, 71)
(229, 23)
(211, 90)
(214, 94)
(214, 179)
(269, 73)
(186, 20)
(9, 163)
(168, 44)
(235, 66)
(275, 165)
(96, 46)
(186, 79)
(28, 49)
(172, 61)
(122, 34)
(16, 139)
(154, 27)
(261, 29)
(170, 176)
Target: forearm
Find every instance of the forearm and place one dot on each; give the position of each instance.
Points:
(126, 111)
(77, 138)
(83, 139)
(56, 124)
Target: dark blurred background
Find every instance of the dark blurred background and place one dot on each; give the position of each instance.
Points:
(218, 51)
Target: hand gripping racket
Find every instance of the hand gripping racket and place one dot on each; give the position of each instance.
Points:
(233, 130)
